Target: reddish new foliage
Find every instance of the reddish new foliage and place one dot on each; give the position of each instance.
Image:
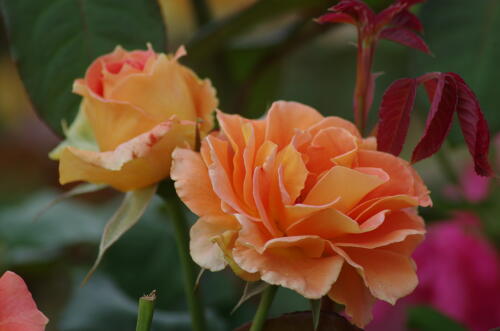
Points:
(439, 120)
(448, 94)
(405, 37)
(397, 103)
(474, 126)
(394, 23)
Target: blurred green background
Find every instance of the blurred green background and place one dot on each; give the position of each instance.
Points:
(255, 51)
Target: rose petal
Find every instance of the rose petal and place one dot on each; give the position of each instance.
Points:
(348, 184)
(350, 290)
(388, 275)
(294, 172)
(334, 122)
(328, 223)
(331, 146)
(391, 228)
(291, 268)
(137, 163)
(161, 93)
(369, 208)
(401, 176)
(296, 115)
(192, 183)
(122, 119)
(300, 211)
(18, 311)
(204, 249)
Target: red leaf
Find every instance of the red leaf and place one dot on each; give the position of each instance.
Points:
(405, 37)
(407, 20)
(398, 15)
(439, 119)
(387, 15)
(397, 104)
(430, 87)
(18, 311)
(355, 8)
(474, 126)
(336, 18)
(350, 11)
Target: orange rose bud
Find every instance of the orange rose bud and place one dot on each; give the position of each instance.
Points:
(303, 201)
(140, 105)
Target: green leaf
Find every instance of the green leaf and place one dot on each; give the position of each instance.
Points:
(132, 208)
(79, 134)
(23, 241)
(303, 320)
(425, 318)
(77, 190)
(54, 41)
(316, 312)
(465, 40)
(251, 289)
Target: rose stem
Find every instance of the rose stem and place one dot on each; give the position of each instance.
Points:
(266, 300)
(366, 50)
(181, 229)
(145, 312)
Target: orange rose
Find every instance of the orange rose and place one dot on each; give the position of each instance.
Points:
(140, 105)
(303, 201)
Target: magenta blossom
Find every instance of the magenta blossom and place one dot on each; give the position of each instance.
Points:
(459, 273)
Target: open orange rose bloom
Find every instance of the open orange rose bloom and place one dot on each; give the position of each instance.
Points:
(303, 201)
(140, 106)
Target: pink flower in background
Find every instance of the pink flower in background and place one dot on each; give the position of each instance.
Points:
(472, 187)
(459, 274)
(18, 311)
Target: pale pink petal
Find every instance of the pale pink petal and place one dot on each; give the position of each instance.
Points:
(205, 250)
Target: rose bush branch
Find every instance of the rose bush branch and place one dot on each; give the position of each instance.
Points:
(145, 312)
(181, 233)
(266, 301)
(447, 92)
(395, 23)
